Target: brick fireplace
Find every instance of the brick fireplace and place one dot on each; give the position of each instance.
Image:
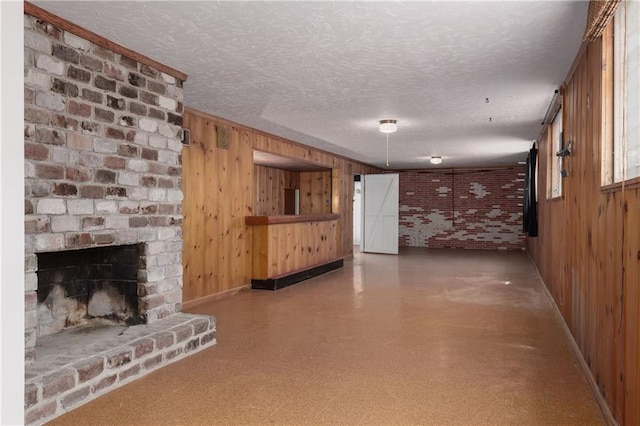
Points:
(103, 212)
(102, 151)
(77, 287)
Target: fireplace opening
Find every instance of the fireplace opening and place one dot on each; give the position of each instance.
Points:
(77, 287)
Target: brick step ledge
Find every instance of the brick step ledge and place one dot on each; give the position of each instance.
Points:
(78, 365)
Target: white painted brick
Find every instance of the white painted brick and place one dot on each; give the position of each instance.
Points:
(29, 130)
(174, 296)
(30, 281)
(129, 178)
(168, 78)
(174, 246)
(137, 193)
(155, 274)
(30, 319)
(90, 159)
(165, 259)
(37, 42)
(138, 165)
(28, 21)
(175, 92)
(166, 233)
(28, 58)
(50, 101)
(49, 242)
(105, 145)
(165, 129)
(29, 243)
(65, 223)
(76, 42)
(117, 222)
(174, 195)
(167, 103)
(147, 234)
(166, 285)
(126, 236)
(79, 207)
(30, 263)
(49, 64)
(174, 270)
(29, 169)
(174, 145)
(148, 125)
(51, 206)
(37, 79)
(168, 157)
(60, 155)
(152, 261)
(155, 247)
(141, 138)
(106, 207)
(157, 141)
(157, 194)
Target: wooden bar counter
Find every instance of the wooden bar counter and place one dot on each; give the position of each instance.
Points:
(290, 248)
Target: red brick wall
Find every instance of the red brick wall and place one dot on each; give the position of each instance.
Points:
(462, 209)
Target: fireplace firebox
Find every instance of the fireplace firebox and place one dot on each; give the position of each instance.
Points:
(77, 287)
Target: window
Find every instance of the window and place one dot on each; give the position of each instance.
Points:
(626, 92)
(554, 179)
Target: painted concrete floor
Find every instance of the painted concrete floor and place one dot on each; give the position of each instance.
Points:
(429, 337)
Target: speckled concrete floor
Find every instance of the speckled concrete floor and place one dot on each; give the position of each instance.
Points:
(429, 337)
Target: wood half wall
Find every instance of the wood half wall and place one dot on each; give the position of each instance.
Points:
(588, 247)
(219, 191)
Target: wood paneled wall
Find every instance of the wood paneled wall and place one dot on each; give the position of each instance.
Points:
(281, 249)
(269, 185)
(588, 248)
(315, 192)
(218, 186)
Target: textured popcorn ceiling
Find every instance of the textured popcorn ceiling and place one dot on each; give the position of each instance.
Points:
(324, 73)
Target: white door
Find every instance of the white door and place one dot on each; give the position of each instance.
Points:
(381, 213)
(357, 213)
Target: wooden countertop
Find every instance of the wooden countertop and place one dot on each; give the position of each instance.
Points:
(273, 220)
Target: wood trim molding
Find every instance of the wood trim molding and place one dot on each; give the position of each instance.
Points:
(275, 220)
(621, 186)
(581, 52)
(63, 24)
(239, 126)
(211, 297)
(595, 389)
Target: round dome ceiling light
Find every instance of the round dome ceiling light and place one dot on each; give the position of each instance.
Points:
(388, 126)
(436, 159)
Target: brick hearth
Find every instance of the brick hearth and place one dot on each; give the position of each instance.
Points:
(77, 365)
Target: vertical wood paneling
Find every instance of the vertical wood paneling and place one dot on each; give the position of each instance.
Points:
(218, 186)
(315, 192)
(281, 249)
(212, 226)
(588, 247)
(269, 184)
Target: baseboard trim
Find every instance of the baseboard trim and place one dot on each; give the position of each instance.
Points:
(211, 297)
(282, 281)
(595, 390)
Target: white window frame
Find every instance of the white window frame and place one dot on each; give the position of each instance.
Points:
(554, 187)
(626, 92)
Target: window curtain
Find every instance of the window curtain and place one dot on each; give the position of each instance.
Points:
(599, 15)
(530, 208)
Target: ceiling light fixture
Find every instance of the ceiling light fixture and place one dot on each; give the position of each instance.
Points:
(388, 126)
(436, 159)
